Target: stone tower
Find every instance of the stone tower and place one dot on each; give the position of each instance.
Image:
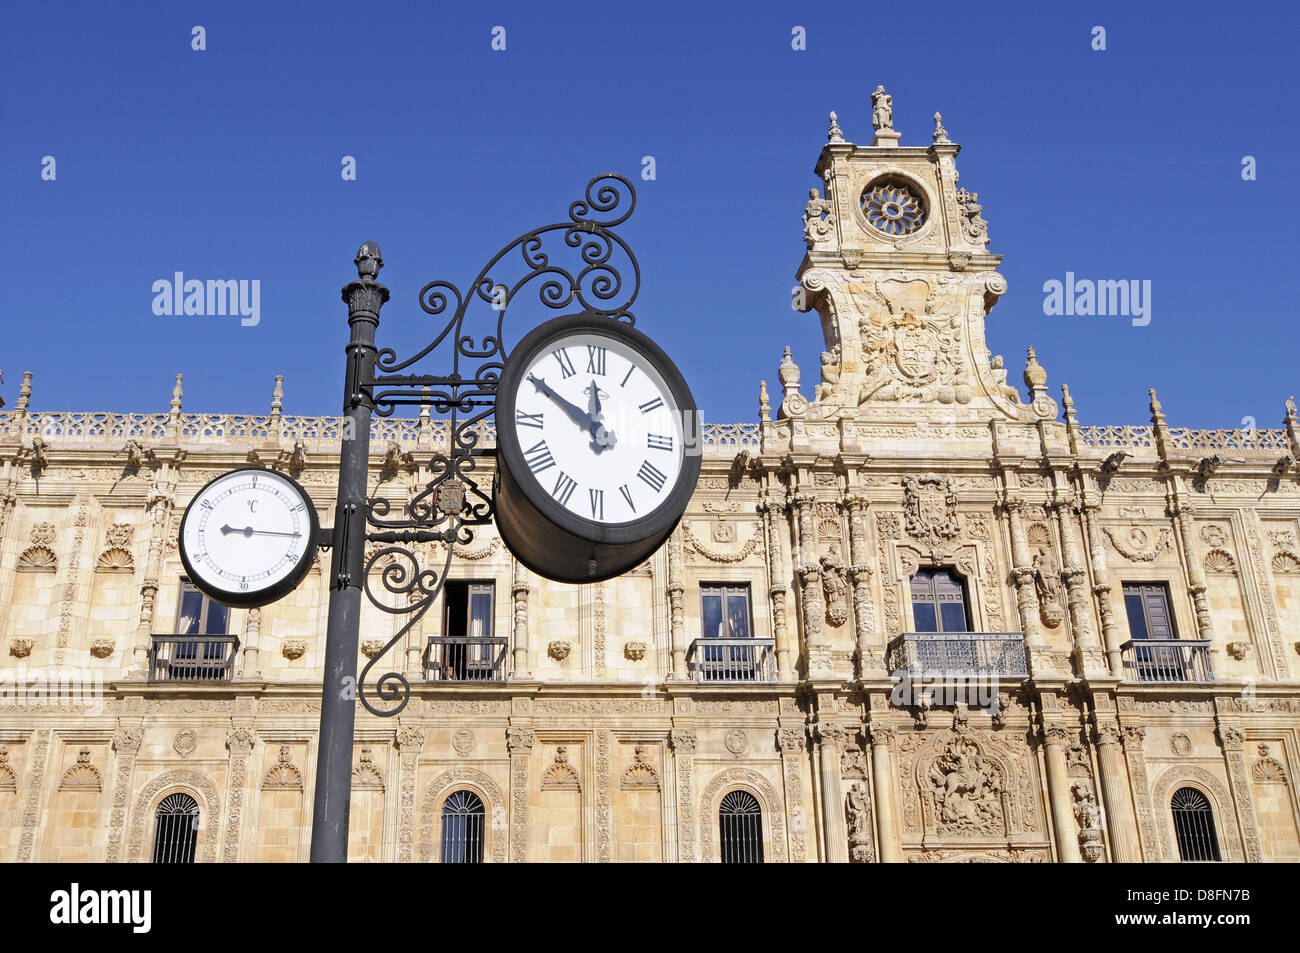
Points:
(899, 271)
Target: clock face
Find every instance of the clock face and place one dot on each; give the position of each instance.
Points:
(599, 429)
(248, 537)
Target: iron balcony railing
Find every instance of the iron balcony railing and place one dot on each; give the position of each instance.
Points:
(1167, 660)
(964, 655)
(463, 659)
(732, 660)
(193, 658)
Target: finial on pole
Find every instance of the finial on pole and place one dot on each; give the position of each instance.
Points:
(368, 261)
(835, 134)
(940, 133)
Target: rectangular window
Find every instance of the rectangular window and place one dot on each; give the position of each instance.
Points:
(467, 618)
(198, 615)
(725, 612)
(1147, 605)
(939, 602)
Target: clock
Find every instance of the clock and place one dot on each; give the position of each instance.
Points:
(598, 448)
(248, 537)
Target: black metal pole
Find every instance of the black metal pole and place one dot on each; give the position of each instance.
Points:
(329, 832)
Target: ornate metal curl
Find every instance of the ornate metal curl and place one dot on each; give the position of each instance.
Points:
(468, 393)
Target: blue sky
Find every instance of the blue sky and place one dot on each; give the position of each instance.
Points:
(226, 163)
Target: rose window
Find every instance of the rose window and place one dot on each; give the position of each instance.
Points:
(893, 208)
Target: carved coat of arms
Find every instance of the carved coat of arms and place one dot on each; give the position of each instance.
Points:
(930, 508)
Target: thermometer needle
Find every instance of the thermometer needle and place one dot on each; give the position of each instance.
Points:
(249, 531)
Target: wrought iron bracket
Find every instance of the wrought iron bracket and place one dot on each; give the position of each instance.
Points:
(604, 280)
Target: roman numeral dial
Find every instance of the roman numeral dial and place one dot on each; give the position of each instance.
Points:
(599, 431)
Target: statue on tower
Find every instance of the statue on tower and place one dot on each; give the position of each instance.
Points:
(882, 109)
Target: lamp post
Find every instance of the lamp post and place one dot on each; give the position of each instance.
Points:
(329, 832)
(452, 502)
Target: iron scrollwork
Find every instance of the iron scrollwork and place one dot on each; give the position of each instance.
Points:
(452, 502)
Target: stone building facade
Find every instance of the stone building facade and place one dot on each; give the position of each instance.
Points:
(899, 622)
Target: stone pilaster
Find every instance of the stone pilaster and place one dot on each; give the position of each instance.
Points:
(871, 654)
(519, 742)
(523, 650)
(158, 509)
(1055, 738)
(773, 524)
(126, 745)
(1092, 661)
(830, 740)
(1134, 750)
(1192, 565)
(1233, 741)
(793, 747)
(39, 745)
(882, 780)
(252, 643)
(816, 647)
(683, 742)
(1112, 638)
(239, 742)
(1026, 596)
(1120, 824)
(73, 591)
(410, 740)
(676, 617)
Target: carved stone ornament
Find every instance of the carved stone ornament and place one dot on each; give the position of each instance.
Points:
(20, 648)
(1239, 650)
(119, 535)
(736, 740)
(836, 588)
(283, 776)
(1180, 744)
(102, 648)
(1088, 815)
(965, 788)
(82, 776)
(818, 218)
(641, 774)
(293, 649)
(365, 776)
(185, 742)
(1047, 584)
(913, 358)
(42, 533)
(693, 544)
(559, 650)
(1136, 545)
(560, 776)
(930, 508)
(372, 647)
(857, 813)
(463, 741)
(634, 651)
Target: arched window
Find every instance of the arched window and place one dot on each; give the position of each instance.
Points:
(176, 830)
(939, 601)
(740, 828)
(462, 829)
(1194, 825)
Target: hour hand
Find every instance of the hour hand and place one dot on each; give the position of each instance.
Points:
(573, 412)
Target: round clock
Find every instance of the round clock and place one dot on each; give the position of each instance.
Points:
(598, 448)
(248, 537)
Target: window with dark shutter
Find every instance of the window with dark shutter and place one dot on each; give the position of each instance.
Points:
(939, 601)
